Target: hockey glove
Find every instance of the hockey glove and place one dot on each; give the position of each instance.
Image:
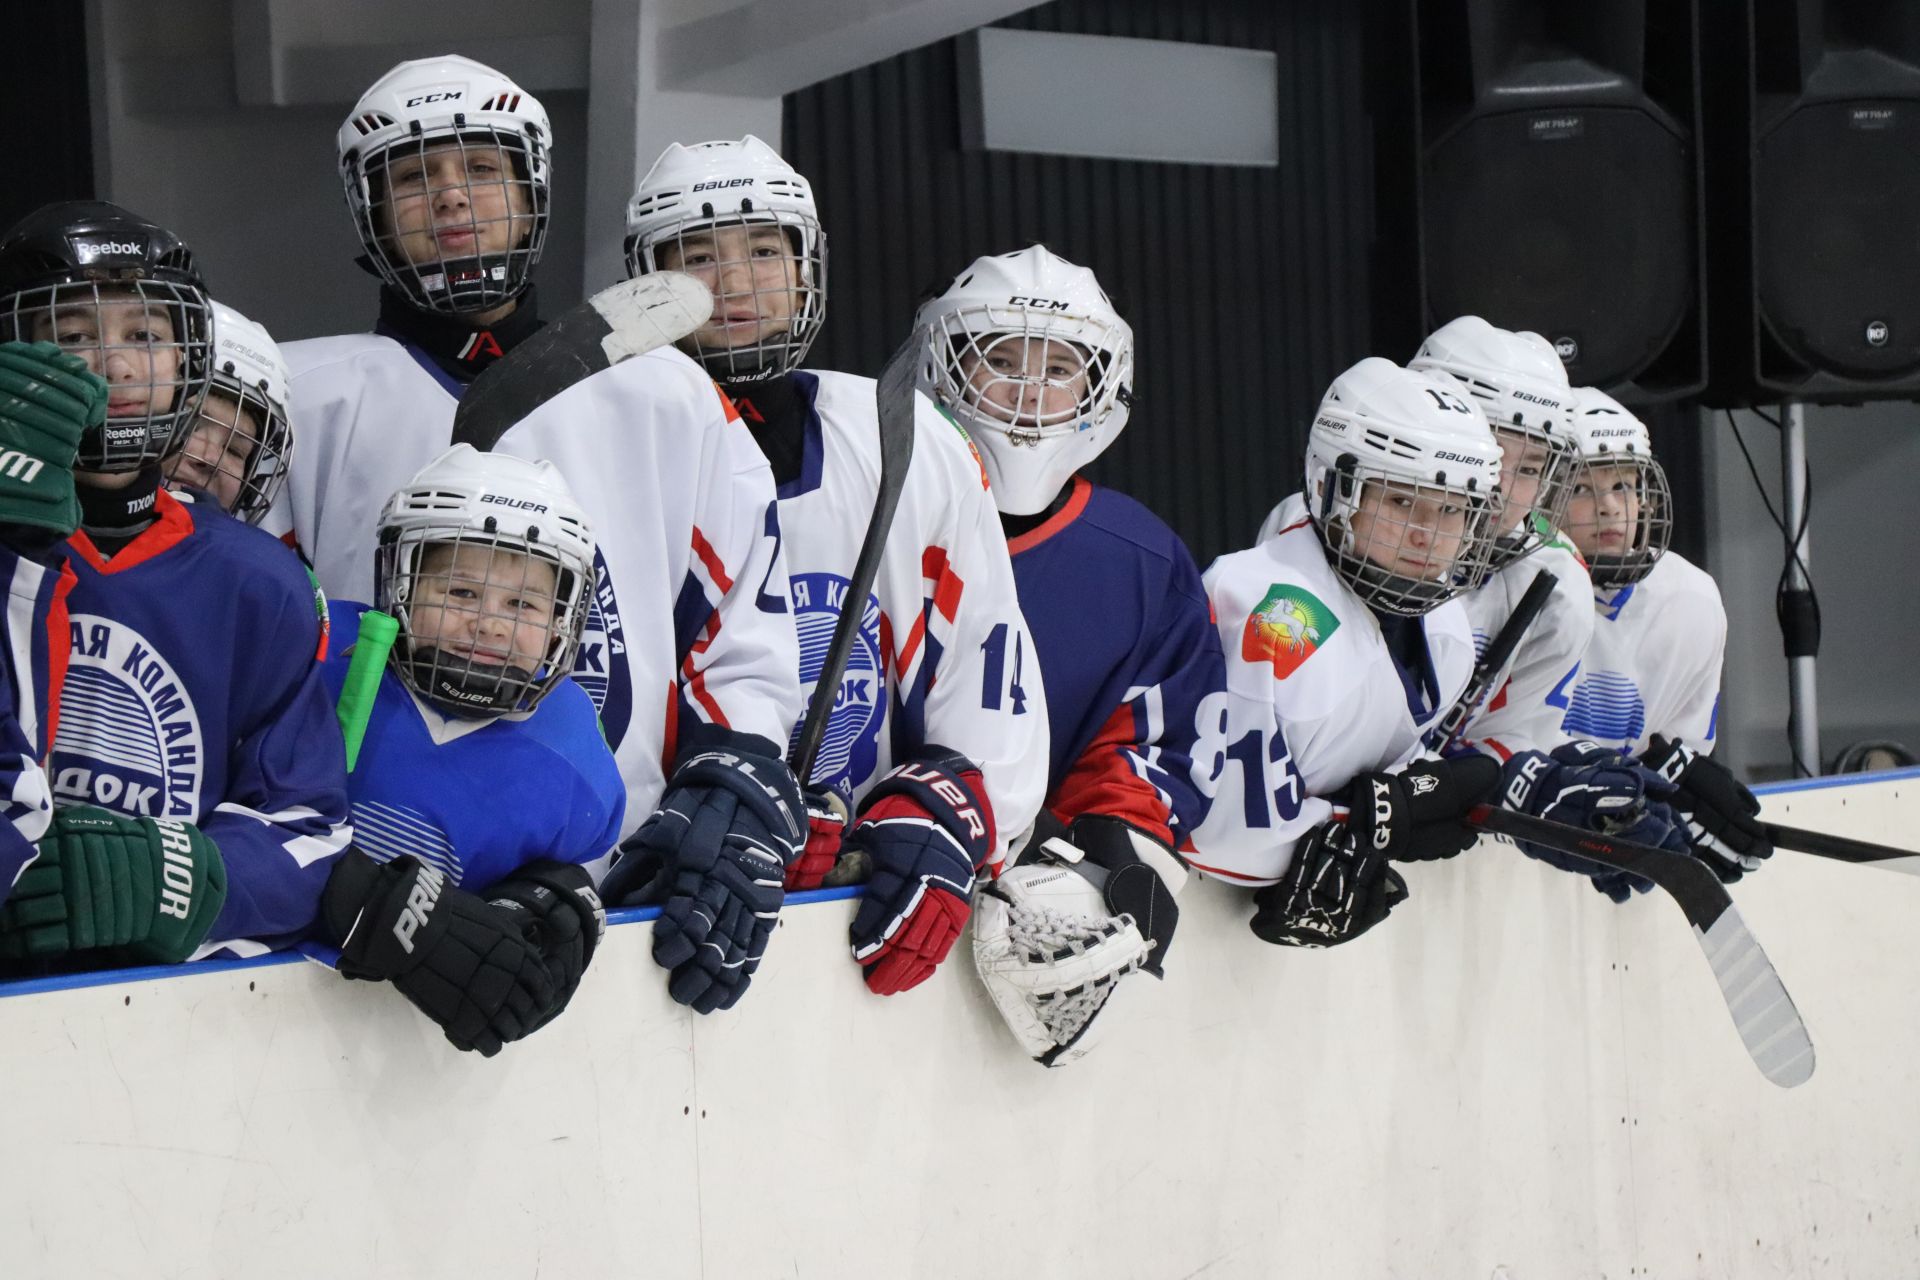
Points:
(1586, 785)
(567, 921)
(1722, 816)
(465, 962)
(928, 828)
(826, 828)
(1418, 814)
(1334, 890)
(715, 857)
(152, 886)
(48, 399)
(1055, 935)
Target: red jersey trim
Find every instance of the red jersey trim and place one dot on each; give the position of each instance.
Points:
(1082, 492)
(716, 567)
(172, 525)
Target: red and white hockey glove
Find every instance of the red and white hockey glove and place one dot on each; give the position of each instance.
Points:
(928, 828)
(826, 830)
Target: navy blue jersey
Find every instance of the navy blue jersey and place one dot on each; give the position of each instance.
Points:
(193, 691)
(33, 648)
(1127, 643)
(479, 798)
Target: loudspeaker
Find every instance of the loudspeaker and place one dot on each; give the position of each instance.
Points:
(1814, 124)
(1560, 182)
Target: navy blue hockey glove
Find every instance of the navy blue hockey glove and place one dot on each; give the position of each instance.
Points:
(715, 857)
(1594, 788)
(472, 966)
(567, 921)
(1418, 813)
(928, 828)
(1723, 817)
(1334, 890)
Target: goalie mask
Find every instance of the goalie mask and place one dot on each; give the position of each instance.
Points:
(1619, 508)
(239, 448)
(447, 168)
(740, 220)
(1403, 483)
(486, 562)
(1025, 352)
(1521, 385)
(124, 295)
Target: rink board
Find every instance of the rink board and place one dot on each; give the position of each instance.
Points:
(1513, 1078)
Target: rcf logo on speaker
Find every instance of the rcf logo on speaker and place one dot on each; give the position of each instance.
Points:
(1878, 333)
(1567, 347)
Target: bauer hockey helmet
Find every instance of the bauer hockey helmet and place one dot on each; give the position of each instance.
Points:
(239, 449)
(1521, 385)
(449, 245)
(1403, 481)
(1619, 508)
(486, 562)
(123, 294)
(768, 300)
(1025, 352)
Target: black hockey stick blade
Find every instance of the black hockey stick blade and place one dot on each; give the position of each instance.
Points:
(894, 394)
(1842, 849)
(1447, 731)
(1763, 1013)
(629, 319)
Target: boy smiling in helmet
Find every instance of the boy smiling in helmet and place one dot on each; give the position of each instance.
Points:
(240, 445)
(938, 737)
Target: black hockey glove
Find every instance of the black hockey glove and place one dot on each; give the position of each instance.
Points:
(1586, 785)
(1722, 815)
(715, 856)
(464, 962)
(1418, 814)
(1334, 891)
(568, 920)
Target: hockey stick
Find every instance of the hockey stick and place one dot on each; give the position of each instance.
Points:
(1445, 733)
(1763, 1012)
(1842, 849)
(631, 318)
(894, 394)
(369, 662)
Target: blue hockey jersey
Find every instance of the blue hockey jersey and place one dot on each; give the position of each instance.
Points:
(35, 661)
(1125, 636)
(478, 798)
(193, 691)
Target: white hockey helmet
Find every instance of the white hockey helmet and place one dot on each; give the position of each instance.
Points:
(1619, 507)
(240, 447)
(451, 101)
(470, 526)
(996, 341)
(1521, 385)
(714, 186)
(1403, 479)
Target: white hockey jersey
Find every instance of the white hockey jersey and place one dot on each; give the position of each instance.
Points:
(1519, 714)
(367, 413)
(1313, 698)
(1653, 665)
(690, 616)
(943, 654)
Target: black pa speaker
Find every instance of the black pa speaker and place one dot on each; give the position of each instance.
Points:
(1560, 182)
(1814, 123)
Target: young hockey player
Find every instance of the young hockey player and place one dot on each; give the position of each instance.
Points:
(482, 780)
(1650, 682)
(447, 171)
(238, 450)
(938, 738)
(203, 790)
(1026, 351)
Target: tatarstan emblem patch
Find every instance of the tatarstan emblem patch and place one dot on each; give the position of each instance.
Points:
(1287, 628)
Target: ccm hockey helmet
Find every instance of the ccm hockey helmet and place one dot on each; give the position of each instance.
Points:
(240, 448)
(1619, 508)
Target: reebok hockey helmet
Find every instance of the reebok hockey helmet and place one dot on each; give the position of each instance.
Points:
(706, 210)
(486, 562)
(1025, 351)
(1619, 508)
(1403, 481)
(123, 294)
(450, 246)
(1521, 385)
(240, 447)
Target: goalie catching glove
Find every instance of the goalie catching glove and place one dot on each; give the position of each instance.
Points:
(1054, 936)
(1723, 817)
(1334, 890)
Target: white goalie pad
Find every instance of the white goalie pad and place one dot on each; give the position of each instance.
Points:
(1051, 955)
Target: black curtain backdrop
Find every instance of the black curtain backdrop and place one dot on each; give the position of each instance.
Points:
(45, 95)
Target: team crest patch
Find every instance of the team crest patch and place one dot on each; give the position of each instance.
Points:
(601, 667)
(850, 747)
(1288, 628)
(129, 732)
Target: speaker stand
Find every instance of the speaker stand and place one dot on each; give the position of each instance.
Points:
(1799, 622)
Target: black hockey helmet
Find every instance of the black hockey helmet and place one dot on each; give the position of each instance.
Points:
(97, 280)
